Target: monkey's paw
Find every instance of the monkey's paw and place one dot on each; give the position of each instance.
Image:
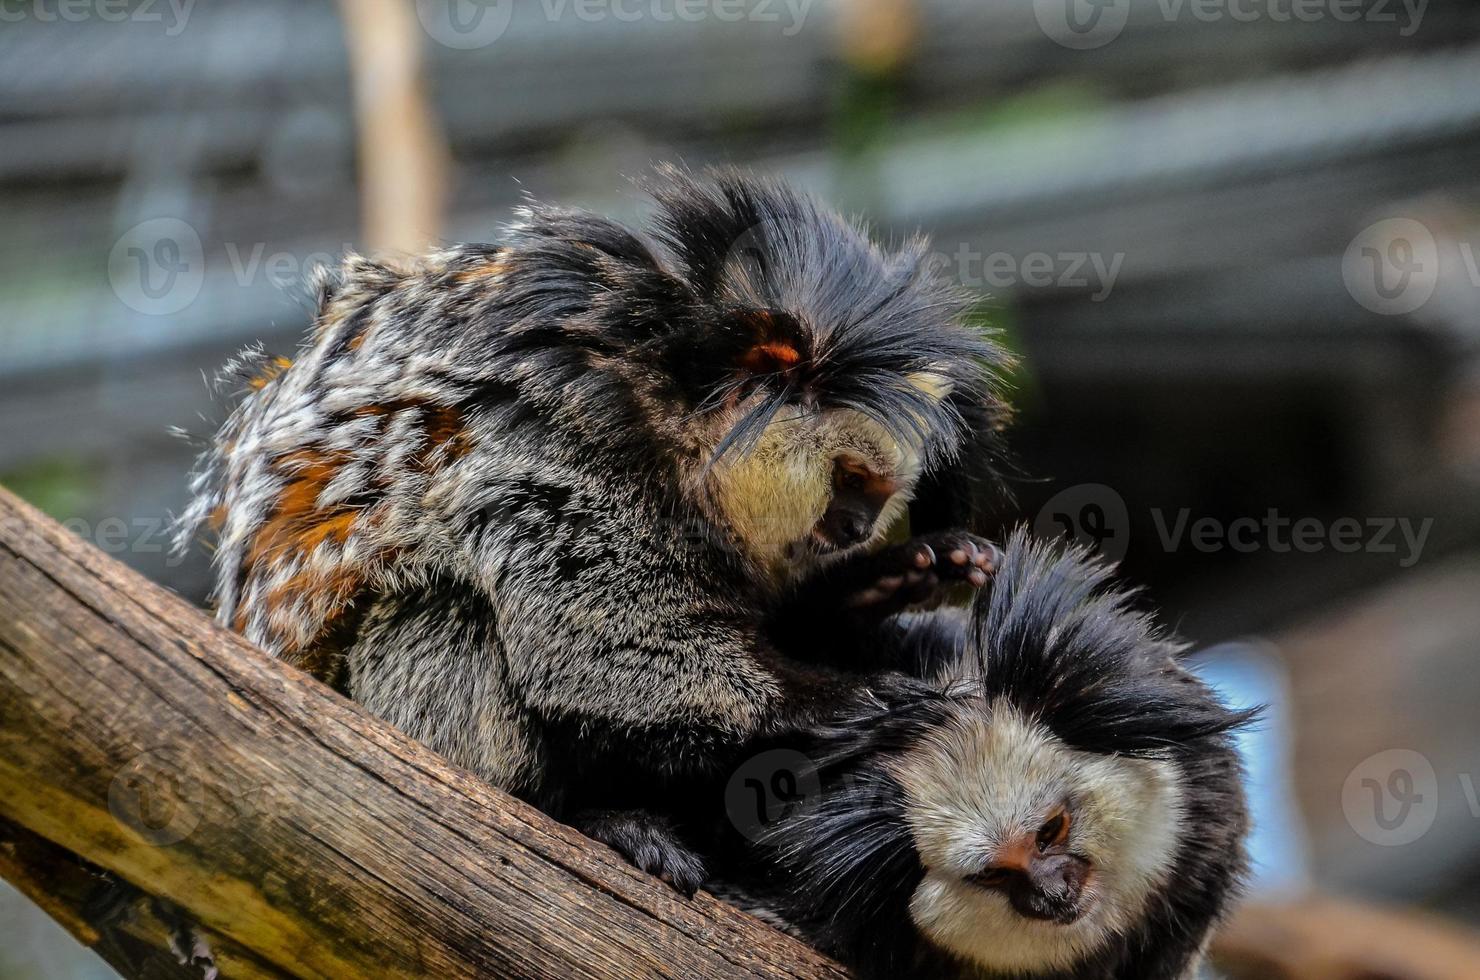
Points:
(650, 843)
(922, 569)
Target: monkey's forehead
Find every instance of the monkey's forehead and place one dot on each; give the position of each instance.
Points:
(991, 758)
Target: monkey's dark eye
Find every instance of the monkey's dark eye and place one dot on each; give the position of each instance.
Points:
(1055, 829)
(848, 475)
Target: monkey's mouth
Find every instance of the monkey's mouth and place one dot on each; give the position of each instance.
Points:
(823, 544)
(1060, 898)
(820, 544)
(1052, 913)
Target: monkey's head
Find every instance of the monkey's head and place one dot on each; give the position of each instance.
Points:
(1034, 852)
(813, 484)
(824, 382)
(1068, 795)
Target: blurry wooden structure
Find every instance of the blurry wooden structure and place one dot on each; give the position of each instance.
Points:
(141, 744)
(403, 154)
(1330, 940)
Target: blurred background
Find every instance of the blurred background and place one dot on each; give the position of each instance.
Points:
(1236, 242)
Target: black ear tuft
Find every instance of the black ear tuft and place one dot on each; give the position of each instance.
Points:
(724, 218)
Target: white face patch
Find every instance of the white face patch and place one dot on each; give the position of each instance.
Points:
(988, 779)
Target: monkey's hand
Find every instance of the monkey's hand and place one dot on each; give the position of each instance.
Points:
(919, 572)
(648, 841)
(837, 617)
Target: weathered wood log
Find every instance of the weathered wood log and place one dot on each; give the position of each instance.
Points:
(141, 738)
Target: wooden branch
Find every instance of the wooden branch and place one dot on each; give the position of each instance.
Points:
(284, 819)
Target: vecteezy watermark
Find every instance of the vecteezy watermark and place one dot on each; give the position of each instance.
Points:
(1392, 266)
(158, 266)
(159, 796)
(768, 788)
(1392, 798)
(465, 24)
(1096, 516)
(1087, 24)
(282, 269)
(137, 535)
(156, 797)
(169, 14)
(1091, 515)
(1081, 24)
(1282, 535)
(470, 24)
(1095, 272)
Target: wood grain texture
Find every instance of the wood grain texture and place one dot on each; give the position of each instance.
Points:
(140, 737)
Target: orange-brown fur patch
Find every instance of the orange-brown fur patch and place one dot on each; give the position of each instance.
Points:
(491, 269)
(442, 425)
(446, 429)
(270, 374)
(770, 356)
(323, 657)
(296, 524)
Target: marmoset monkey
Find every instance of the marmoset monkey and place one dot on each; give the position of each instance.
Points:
(536, 502)
(1065, 802)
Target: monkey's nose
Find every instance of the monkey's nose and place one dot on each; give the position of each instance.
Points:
(845, 528)
(854, 528)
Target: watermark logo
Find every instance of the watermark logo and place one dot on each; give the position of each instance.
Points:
(1096, 517)
(1392, 798)
(1081, 25)
(1282, 535)
(171, 15)
(155, 796)
(1092, 515)
(1086, 24)
(465, 24)
(768, 788)
(470, 24)
(136, 536)
(282, 270)
(157, 267)
(1091, 272)
(1392, 266)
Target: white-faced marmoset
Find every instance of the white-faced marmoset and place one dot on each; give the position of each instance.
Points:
(541, 503)
(1064, 801)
